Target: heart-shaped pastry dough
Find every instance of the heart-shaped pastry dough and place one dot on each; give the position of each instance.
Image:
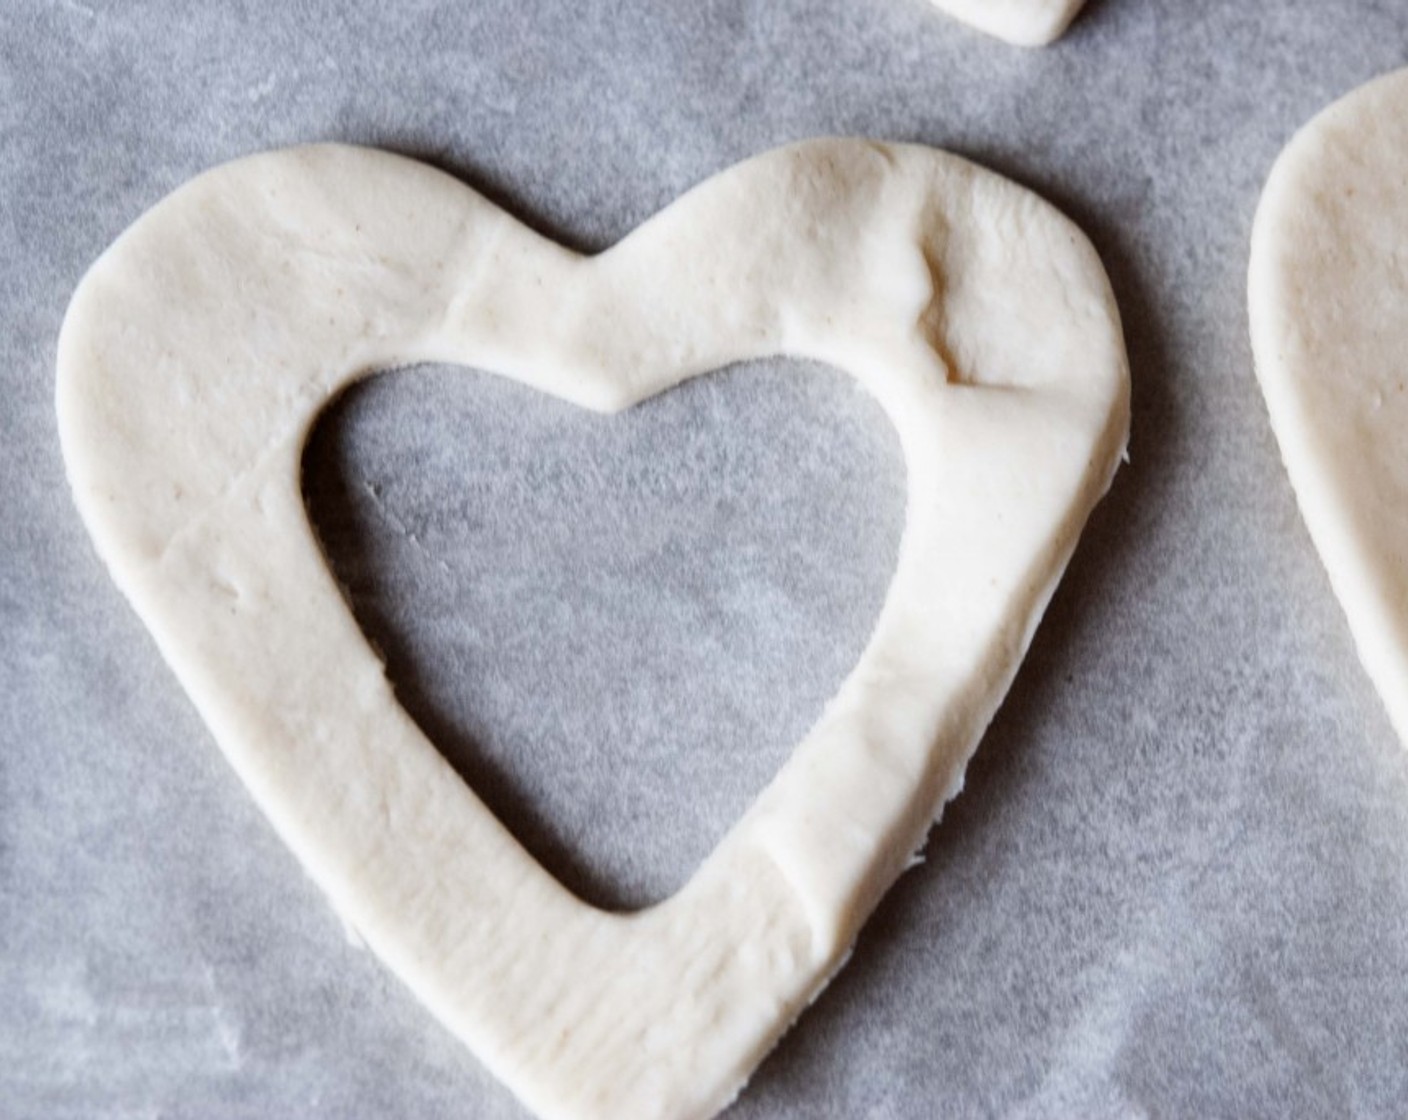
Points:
(1026, 23)
(1328, 297)
(199, 350)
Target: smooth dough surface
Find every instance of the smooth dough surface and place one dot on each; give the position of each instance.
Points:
(1328, 298)
(198, 352)
(1025, 23)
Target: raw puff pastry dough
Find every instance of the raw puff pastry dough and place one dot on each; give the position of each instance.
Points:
(199, 350)
(1328, 296)
(1026, 23)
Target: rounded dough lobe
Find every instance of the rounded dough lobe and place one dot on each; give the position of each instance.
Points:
(1328, 299)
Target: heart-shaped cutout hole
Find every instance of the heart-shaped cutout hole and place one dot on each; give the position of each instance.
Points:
(614, 628)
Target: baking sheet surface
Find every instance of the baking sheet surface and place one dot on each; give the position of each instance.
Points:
(1177, 881)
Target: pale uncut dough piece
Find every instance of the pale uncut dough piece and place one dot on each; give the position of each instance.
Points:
(1328, 297)
(1025, 23)
(199, 350)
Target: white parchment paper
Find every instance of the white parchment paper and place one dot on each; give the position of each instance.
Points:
(1177, 882)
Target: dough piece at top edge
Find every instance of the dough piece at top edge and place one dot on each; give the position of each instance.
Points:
(1023, 23)
(1328, 308)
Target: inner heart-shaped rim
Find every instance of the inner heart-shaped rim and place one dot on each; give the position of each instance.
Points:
(199, 350)
(615, 628)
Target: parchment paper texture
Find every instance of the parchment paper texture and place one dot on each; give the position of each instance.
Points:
(1177, 881)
